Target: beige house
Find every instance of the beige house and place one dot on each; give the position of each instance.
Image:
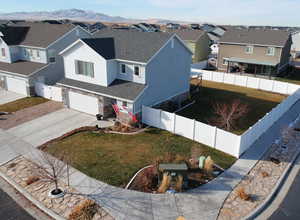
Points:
(198, 42)
(263, 52)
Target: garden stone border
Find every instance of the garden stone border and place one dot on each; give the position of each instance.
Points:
(259, 209)
(30, 198)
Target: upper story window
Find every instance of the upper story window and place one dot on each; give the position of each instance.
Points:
(84, 68)
(249, 49)
(3, 52)
(25, 53)
(38, 56)
(136, 70)
(271, 51)
(30, 52)
(123, 68)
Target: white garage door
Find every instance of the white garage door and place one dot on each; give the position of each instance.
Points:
(83, 103)
(16, 85)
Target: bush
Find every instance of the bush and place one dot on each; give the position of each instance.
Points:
(32, 179)
(242, 194)
(84, 211)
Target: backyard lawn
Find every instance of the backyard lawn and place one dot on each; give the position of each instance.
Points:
(22, 104)
(114, 158)
(259, 103)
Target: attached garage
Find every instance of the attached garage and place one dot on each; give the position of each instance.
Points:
(16, 85)
(83, 103)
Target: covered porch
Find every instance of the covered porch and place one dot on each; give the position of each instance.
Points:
(251, 66)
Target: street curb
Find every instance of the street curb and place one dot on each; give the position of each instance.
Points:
(259, 209)
(30, 198)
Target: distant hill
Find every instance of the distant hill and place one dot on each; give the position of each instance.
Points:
(78, 15)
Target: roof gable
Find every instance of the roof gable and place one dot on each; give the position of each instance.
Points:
(103, 46)
(188, 35)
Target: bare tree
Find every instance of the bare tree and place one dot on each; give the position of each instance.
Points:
(227, 114)
(50, 168)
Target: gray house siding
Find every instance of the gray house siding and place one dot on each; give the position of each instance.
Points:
(285, 55)
(167, 75)
(55, 71)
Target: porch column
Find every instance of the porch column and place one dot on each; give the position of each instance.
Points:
(228, 64)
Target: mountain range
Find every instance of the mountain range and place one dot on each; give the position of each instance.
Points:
(78, 15)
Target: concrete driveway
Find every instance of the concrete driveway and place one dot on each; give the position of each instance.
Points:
(7, 96)
(55, 124)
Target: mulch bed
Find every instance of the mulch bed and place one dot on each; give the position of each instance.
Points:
(28, 114)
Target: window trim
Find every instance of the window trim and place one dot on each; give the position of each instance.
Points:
(249, 46)
(225, 61)
(269, 54)
(139, 70)
(3, 52)
(121, 68)
(37, 53)
(77, 69)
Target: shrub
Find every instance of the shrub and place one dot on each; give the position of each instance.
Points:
(32, 179)
(265, 174)
(242, 194)
(84, 211)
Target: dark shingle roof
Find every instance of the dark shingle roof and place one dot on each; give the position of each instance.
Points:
(188, 35)
(21, 67)
(35, 34)
(118, 88)
(134, 45)
(103, 46)
(261, 37)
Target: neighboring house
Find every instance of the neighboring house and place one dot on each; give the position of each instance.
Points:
(295, 50)
(29, 52)
(197, 41)
(265, 52)
(120, 71)
(172, 26)
(96, 26)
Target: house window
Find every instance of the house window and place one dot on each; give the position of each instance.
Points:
(123, 68)
(3, 52)
(38, 54)
(84, 68)
(30, 52)
(124, 104)
(136, 70)
(249, 49)
(52, 59)
(25, 53)
(270, 51)
(225, 62)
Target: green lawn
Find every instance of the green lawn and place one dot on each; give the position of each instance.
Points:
(22, 103)
(114, 158)
(259, 103)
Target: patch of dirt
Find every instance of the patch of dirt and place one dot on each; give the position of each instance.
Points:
(28, 114)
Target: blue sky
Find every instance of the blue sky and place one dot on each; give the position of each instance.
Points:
(256, 12)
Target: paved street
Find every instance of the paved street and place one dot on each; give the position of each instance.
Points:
(10, 210)
(289, 209)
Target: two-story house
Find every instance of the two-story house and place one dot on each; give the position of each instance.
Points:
(264, 52)
(119, 71)
(29, 52)
(198, 42)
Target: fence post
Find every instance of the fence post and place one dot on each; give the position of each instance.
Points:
(215, 137)
(174, 124)
(273, 82)
(223, 78)
(194, 129)
(247, 81)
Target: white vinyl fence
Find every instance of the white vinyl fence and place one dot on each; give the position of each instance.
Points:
(217, 138)
(248, 81)
(191, 129)
(48, 92)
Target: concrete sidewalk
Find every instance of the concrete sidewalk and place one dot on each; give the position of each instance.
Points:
(201, 203)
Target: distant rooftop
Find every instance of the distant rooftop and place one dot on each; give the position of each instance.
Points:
(258, 37)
